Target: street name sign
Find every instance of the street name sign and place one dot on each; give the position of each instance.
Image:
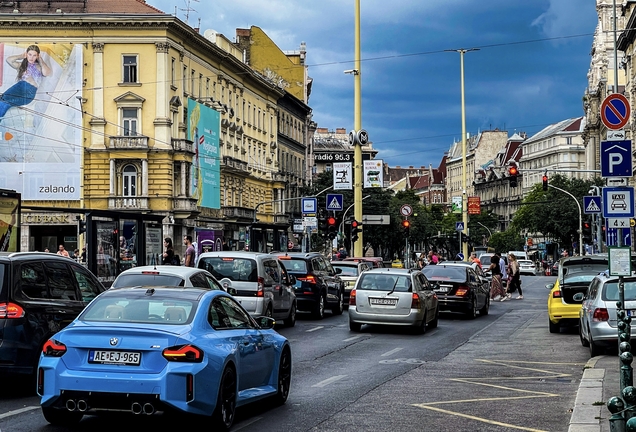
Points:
(618, 202)
(615, 111)
(616, 158)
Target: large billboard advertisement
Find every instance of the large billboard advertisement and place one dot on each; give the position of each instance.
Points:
(204, 125)
(41, 119)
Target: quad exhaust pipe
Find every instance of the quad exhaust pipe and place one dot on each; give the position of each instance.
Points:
(71, 405)
(147, 408)
(80, 405)
(136, 408)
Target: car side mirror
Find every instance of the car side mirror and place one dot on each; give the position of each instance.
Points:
(578, 297)
(265, 323)
(549, 286)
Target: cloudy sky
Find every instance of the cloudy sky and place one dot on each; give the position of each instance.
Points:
(530, 70)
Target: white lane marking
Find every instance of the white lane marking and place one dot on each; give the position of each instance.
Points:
(315, 328)
(393, 351)
(18, 411)
(329, 380)
(351, 338)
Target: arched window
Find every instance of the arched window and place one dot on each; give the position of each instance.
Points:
(129, 181)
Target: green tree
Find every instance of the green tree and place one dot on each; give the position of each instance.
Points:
(506, 241)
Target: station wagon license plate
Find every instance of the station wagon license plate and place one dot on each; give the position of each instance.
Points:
(383, 301)
(115, 357)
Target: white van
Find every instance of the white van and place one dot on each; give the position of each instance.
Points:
(519, 254)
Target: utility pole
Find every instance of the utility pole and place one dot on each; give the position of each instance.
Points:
(357, 125)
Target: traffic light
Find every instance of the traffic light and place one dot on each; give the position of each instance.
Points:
(513, 171)
(331, 227)
(545, 181)
(587, 232)
(356, 227)
(81, 225)
(465, 238)
(406, 224)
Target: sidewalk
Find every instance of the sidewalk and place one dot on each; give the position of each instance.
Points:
(599, 383)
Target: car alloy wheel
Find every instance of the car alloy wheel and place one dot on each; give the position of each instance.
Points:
(284, 376)
(319, 312)
(584, 341)
(226, 402)
(291, 319)
(340, 307)
(595, 349)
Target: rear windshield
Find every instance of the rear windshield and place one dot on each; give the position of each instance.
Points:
(382, 282)
(135, 310)
(581, 273)
(611, 291)
(149, 279)
(295, 265)
(234, 269)
(346, 270)
(445, 273)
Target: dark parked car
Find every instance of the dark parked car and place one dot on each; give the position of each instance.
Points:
(459, 289)
(40, 293)
(318, 285)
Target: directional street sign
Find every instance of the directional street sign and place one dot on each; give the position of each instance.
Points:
(616, 158)
(406, 210)
(615, 111)
(334, 202)
(309, 205)
(612, 235)
(592, 204)
(618, 202)
(459, 226)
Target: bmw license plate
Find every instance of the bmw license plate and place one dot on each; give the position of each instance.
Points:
(114, 357)
(383, 301)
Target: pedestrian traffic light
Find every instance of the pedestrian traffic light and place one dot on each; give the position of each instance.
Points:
(406, 224)
(331, 227)
(356, 227)
(513, 171)
(545, 181)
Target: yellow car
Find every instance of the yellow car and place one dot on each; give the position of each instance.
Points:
(575, 275)
(397, 264)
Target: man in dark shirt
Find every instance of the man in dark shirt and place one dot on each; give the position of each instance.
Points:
(189, 253)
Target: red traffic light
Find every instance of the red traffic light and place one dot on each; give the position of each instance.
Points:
(513, 171)
(545, 178)
(331, 221)
(406, 223)
(355, 224)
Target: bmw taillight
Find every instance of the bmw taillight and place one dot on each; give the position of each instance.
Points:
(183, 353)
(352, 298)
(462, 290)
(11, 311)
(415, 301)
(557, 294)
(53, 348)
(260, 287)
(600, 314)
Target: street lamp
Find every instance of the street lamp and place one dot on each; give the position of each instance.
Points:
(464, 176)
(580, 216)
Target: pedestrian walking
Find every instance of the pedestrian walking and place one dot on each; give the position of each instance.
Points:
(504, 276)
(514, 283)
(168, 252)
(63, 252)
(496, 287)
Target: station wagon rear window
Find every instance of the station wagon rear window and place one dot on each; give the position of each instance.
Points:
(611, 291)
(234, 269)
(383, 282)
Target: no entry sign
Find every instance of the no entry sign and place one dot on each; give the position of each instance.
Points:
(615, 111)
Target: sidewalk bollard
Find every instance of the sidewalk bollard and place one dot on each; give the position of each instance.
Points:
(615, 405)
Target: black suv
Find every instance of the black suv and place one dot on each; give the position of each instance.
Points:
(40, 293)
(318, 285)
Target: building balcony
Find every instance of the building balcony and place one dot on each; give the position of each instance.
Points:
(279, 177)
(184, 204)
(233, 164)
(129, 142)
(281, 219)
(238, 212)
(128, 203)
(183, 145)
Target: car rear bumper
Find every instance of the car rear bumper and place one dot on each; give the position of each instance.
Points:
(118, 391)
(254, 305)
(558, 311)
(414, 318)
(604, 334)
(454, 304)
(306, 303)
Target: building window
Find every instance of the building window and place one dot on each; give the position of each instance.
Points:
(130, 69)
(173, 71)
(129, 181)
(130, 121)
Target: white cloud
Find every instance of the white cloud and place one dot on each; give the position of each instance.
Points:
(565, 18)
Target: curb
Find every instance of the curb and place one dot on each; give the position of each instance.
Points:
(586, 415)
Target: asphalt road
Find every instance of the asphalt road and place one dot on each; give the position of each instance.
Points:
(499, 372)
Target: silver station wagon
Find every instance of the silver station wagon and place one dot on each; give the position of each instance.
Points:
(390, 296)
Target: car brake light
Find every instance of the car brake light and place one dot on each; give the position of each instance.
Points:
(309, 279)
(600, 314)
(260, 287)
(11, 311)
(183, 353)
(415, 301)
(352, 298)
(150, 272)
(556, 294)
(53, 348)
(462, 290)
